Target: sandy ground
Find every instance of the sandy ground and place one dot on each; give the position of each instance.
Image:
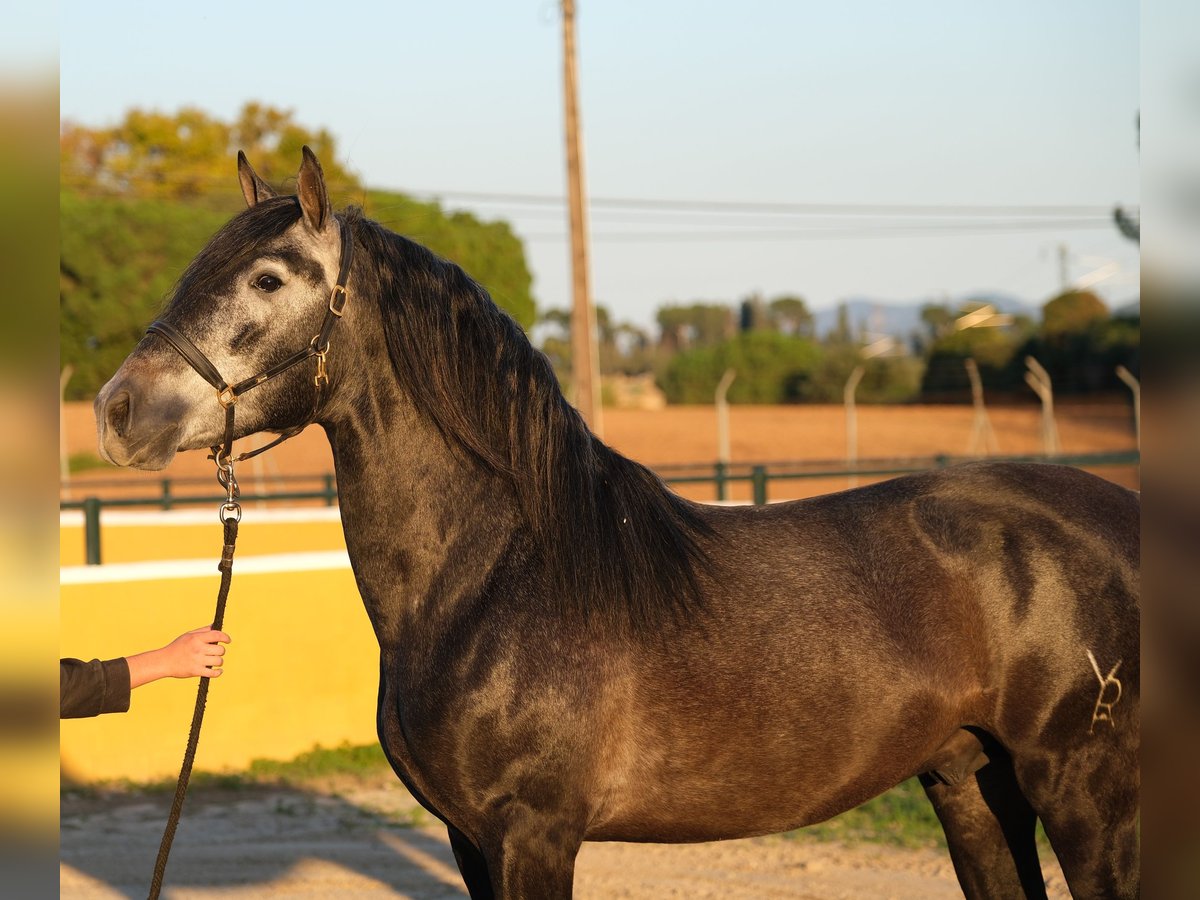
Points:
(361, 842)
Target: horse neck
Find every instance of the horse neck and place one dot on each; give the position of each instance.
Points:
(424, 524)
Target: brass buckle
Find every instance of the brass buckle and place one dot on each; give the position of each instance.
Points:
(336, 304)
(322, 377)
(226, 397)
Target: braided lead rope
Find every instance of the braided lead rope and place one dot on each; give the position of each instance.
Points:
(231, 515)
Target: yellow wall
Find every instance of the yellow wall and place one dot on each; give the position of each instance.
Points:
(302, 670)
(135, 543)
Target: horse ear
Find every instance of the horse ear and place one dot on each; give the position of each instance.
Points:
(311, 183)
(254, 189)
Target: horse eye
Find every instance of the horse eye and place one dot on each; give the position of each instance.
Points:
(268, 284)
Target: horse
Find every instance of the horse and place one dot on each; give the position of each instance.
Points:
(569, 651)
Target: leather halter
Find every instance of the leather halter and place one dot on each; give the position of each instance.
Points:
(227, 394)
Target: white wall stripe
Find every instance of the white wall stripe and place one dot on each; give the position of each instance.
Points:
(203, 568)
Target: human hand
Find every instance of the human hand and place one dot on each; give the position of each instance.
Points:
(194, 653)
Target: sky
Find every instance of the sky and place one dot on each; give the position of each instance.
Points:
(898, 152)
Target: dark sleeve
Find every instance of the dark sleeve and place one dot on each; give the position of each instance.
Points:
(92, 688)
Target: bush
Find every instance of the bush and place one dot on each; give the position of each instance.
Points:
(771, 368)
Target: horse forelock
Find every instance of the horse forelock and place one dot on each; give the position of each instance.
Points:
(241, 240)
(615, 541)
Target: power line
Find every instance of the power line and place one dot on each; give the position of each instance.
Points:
(744, 206)
(866, 231)
(701, 207)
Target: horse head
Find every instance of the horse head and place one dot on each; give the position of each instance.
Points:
(251, 304)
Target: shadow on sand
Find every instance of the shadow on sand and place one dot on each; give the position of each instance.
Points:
(255, 840)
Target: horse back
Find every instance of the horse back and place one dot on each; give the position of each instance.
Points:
(959, 577)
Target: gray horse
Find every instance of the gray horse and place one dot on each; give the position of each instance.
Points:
(571, 652)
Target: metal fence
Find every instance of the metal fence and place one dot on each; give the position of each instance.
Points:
(167, 494)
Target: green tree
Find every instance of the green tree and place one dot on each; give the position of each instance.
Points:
(488, 251)
(1074, 311)
(190, 154)
(938, 320)
(120, 257)
(753, 314)
(993, 349)
(694, 325)
(118, 260)
(555, 325)
(771, 367)
(791, 315)
(1081, 346)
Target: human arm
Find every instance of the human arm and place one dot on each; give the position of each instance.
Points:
(196, 652)
(96, 687)
(92, 688)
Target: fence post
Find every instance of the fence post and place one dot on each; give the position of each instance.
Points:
(720, 470)
(330, 493)
(166, 493)
(758, 479)
(91, 530)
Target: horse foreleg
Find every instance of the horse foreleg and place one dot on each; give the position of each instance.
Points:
(472, 865)
(990, 832)
(532, 859)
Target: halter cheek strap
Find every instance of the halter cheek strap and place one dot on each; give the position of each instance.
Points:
(227, 394)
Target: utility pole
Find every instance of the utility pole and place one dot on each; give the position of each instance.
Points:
(585, 363)
(1064, 277)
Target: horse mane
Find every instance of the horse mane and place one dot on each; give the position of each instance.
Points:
(615, 541)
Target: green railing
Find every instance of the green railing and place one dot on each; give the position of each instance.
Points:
(759, 475)
(720, 475)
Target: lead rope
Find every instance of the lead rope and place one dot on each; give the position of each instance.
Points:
(231, 515)
(231, 510)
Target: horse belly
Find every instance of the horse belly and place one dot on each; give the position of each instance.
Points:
(742, 765)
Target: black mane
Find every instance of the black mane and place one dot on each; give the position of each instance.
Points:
(614, 539)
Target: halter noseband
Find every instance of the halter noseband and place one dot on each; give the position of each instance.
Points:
(227, 394)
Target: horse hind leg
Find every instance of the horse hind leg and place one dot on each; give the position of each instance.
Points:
(1080, 771)
(1088, 804)
(989, 824)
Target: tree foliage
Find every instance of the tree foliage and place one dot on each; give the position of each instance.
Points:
(1074, 311)
(694, 325)
(120, 257)
(791, 315)
(118, 261)
(189, 154)
(489, 251)
(140, 199)
(771, 367)
(1077, 342)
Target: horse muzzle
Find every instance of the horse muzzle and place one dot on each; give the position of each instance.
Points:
(137, 426)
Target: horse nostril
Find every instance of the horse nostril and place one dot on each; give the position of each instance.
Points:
(117, 414)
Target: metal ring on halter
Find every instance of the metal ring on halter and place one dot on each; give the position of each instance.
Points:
(230, 510)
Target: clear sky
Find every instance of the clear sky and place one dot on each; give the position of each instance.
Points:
(872, 104)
